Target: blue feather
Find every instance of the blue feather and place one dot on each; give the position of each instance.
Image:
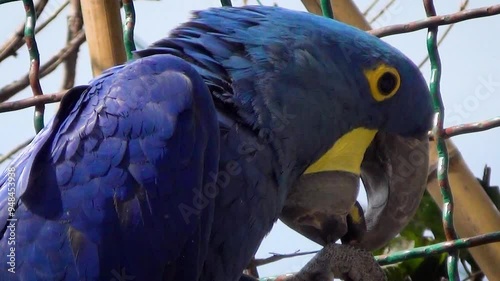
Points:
(101, 183)
(129, 177)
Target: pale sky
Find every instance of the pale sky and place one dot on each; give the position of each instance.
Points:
(470, 81)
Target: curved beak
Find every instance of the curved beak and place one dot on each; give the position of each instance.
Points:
(394, 173)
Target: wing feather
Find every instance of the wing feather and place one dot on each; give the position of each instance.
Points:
(99, 189)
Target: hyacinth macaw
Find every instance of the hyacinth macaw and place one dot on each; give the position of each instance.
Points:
(175, 165)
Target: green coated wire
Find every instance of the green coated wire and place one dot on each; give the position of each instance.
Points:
(34, 73)
(443, 159)
(259, 2)
(226, 3)
(425, 251)
(128, 6)
(326, 8)
(438, 248)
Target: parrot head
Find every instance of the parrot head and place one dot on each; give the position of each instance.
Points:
(334, 104)
(380, 113)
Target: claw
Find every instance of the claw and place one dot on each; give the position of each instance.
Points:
(340, 261)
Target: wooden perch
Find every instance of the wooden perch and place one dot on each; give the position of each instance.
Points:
(474, 212)
(103, 29)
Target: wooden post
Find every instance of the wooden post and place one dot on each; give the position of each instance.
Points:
(343, 10)
(474, 212)
(103, 29)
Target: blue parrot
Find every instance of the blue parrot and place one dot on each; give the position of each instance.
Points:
(174, 166)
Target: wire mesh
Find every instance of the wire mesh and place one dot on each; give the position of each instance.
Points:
(34, 76)
(443, 160)
(226, 3)
(439, 133)
(128, 6)
(326, 8)
(34, 69)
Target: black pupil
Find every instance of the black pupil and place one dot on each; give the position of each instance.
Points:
(387, 83)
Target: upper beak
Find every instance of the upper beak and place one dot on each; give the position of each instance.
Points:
(394, 173)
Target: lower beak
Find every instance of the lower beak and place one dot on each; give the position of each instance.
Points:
(318, 205)
(394, 173)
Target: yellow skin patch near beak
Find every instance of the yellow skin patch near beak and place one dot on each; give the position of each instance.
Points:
(346, 154)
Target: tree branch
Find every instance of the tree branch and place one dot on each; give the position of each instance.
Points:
(54, 15)
(471, 128)
(463, 5)
(10, 47)
(16, 149)
(276, 257)
(381, 12)
(10, 90)
(75, 24)
(436, 21)
(31, 101)
(372, 5)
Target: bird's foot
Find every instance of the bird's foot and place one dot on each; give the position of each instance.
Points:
(339, 261)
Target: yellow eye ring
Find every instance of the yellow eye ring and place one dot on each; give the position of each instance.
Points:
(384, 82)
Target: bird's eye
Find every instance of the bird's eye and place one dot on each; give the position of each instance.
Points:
(384, 81)
(387, 83)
